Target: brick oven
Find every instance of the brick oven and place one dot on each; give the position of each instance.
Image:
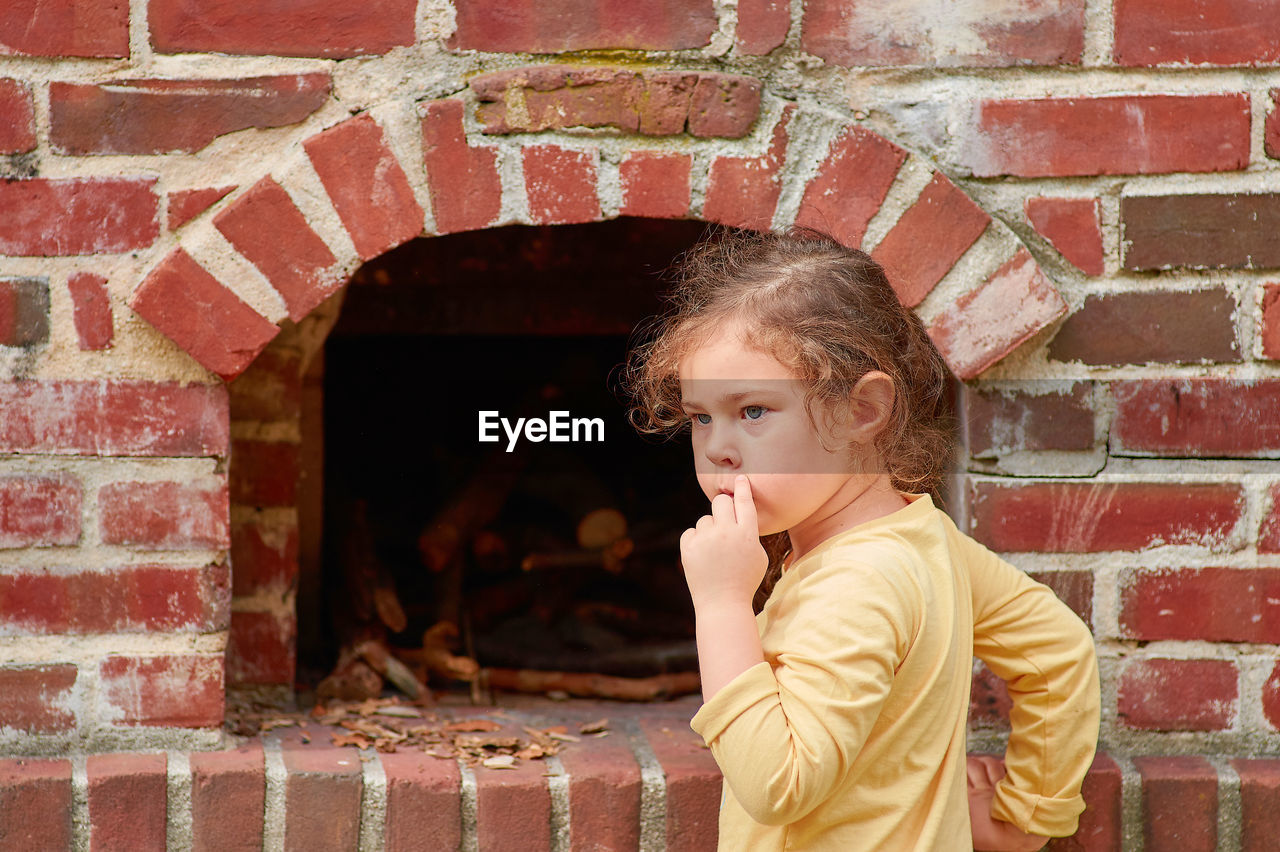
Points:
(220, 221)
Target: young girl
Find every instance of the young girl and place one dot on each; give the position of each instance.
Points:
(838, 714)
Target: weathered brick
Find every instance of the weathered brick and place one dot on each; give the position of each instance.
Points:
(762, 26)
(91, 305)
(998, 33)
(264, 473)
(724, 106)
(1130, 134)
(655, 184)
(1073, 588)
(1100, 824)
(228, 797)
(150, 116)
(993, 319)
(989, 701)
(270, 390)
(946, 220)
(164, 515)
(1269, 535)
(17, 116)
(466, 191)
(70, 216)
(694, 784)
(850, 185)
(262, 648)
(1179, 695)
(1259, 802)
(1235, 231)
(1270, 330)
(561, 185)
(186, 204)
(270, 231)
(124, 599)
(191, 307)
(1216, 604)
(264, 553)
(1180, 803)
(1050, 417)
(1073, 227)
(1095, 517)
(604, 795)
(113, 418)
(321, 780)
(37, 699)
(1137, 327)
(65, 27)
(423, 800)
(128, 801)
(1191, 32)
(40, 511)
(743, 191)
(24, 311)
(554, 26)
(35, 805)
(1271, 698)
(513, 809)
(281, 27)
(1196, 417)
(1271, 131)
(367, 185)
(178, 691)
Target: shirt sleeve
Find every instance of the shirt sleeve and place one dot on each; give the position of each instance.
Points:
(785, 731)
(1045, 655)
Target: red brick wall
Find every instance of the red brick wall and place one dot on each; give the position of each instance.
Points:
(1080, 199)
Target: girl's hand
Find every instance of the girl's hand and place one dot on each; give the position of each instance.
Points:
(990, 834)
(723, 560)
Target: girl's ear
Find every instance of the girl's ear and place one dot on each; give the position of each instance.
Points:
(870, 406)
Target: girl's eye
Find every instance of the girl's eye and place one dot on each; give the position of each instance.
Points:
(750, 408)
(697, 418)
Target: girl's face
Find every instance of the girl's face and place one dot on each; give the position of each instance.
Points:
(748, 417)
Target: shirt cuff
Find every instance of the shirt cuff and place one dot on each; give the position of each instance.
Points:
(749, 687)
(1036, 814)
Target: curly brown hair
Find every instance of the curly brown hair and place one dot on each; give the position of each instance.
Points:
(825, 311)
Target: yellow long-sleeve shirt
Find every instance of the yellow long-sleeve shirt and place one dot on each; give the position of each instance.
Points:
(851, 734)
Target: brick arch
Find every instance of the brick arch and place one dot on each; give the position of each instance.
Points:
(731, 154)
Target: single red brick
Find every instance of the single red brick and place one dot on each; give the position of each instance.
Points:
(281, 27)
(38, 511)
(1073, 588)
(1216, 604)
(24, 311)
(999, 33)
(35, 805)
(191, 307)
(1196, 417)
(1179, 695)
(264, 554)
(1094, 517)
(694, 784)
(267, 228)
(1136, 327)
(113, 418)
(992, 320)
(513, 808)
(555, 26)
(664, 103)
(1129, 134)
(270, 390)
(264, 473)
(92, 310)
(850, 185)
(1100, 824)
(187, 204)
(37, 699)
(424, 800)
(228, 798)
(1271, 698)
(466, 191)
(604, 795)
(762, 26)
(326, 781)
(1234, 230)
(150, 116)
(1039, 418)
(1269, 535)
(121, 600)
(1270, 330)
(128, 801)
(179, 691)
(164, 515)
(78, 215)
(742, 192)
(1271, 133)
(1073, 226)
(989, 701)
(1192, 32)
(556, 96)
(561, 185)
(724, 105)
(1259, 802)
(1180, 803)
(17, 117)
(367, 185)
(262, 648)
(943, 218)
(65, 28)
(655, 184)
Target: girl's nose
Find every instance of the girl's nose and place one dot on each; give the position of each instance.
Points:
(720, 449)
